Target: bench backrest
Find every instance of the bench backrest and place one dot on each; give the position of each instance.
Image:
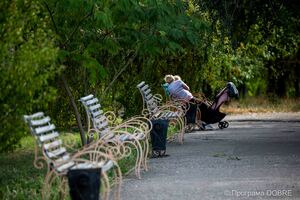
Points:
(224, 95)
(95, 114)
(149, 100)
(48, 139)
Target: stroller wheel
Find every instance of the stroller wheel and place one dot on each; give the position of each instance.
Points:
(225, 124)
(155, 154)
(221, 125)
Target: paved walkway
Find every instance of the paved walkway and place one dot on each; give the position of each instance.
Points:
(249, 160)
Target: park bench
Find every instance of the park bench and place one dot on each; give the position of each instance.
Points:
(153, 109)
(60, 161)
(133, 132)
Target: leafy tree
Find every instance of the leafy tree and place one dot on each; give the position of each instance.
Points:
(107, 47)
(27, 57)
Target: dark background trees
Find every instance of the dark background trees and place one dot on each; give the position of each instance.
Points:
(275, 35)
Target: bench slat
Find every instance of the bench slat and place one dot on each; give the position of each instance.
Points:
(174, 114)
(154, 110)
(63, 159)
(140, 136)
(105, 131)
(97, 113)
(47, 137)
(87, 97)
(100, 119)
(65, 166)
(107, 166)
(144, 88)
(151, 103)
(52, 144)
(125, 137)
(40, 122)
(56, 152)
(149, 97)
(44, 129)
(92, 108)
(163, 115)
(141, 84)
(90, 102)
(107, 135)
(147, 92)
(104, 166)
(35, 115)
(102, 125)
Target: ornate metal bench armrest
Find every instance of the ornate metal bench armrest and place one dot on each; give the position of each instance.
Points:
(111, 117)
(158, 98)
(203, 98)
(173, 108)
(140, 122)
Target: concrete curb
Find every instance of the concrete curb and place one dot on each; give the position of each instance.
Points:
(264, 120)
(265, 117)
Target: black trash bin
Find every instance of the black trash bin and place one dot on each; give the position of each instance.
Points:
(159, 137)
(84, 184)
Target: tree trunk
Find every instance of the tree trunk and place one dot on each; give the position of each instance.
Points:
(297, 80)
(281, 86)
(77, 115)
(270, 80)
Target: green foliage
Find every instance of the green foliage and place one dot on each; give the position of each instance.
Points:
(27, 57)
(107, 47)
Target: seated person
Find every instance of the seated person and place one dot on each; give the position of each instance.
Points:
(165, 85)
(176, 77)
(180, 91)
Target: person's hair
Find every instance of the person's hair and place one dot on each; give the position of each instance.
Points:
(169, 78)
(176, 77)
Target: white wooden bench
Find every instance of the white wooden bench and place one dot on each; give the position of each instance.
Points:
(59, 160)
(153, 109)
(133, 132)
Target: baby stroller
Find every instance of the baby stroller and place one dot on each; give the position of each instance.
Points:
(210, 112)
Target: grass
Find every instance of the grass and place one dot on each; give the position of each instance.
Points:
(19, 179)
(173, 130)
(261, 105)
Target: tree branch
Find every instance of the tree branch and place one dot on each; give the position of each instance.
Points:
(78, 25)
(51, 16)
(120, 72)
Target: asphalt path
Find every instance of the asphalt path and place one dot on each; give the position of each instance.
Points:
(251, 159)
